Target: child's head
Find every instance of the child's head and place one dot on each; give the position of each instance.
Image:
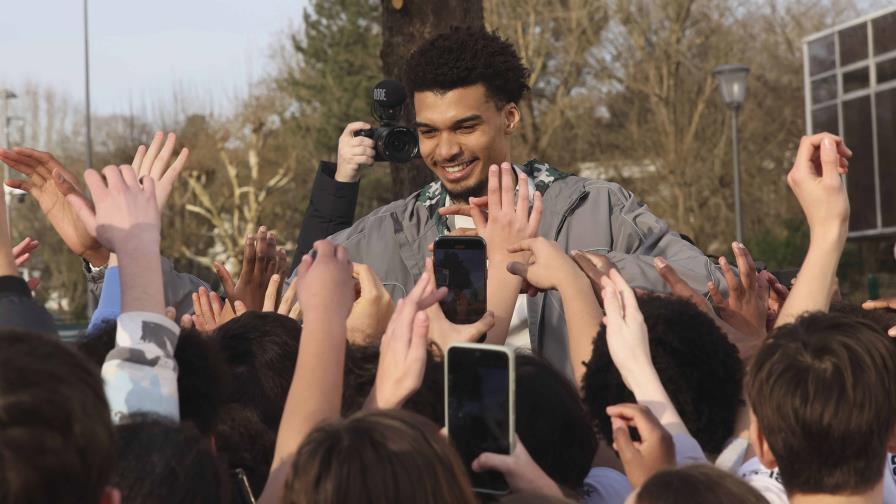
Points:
(56, 438)
(552, 422)
(695, 484)
(696, 363)
(823, 395)
(380, 456)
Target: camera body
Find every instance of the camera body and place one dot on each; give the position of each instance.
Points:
(394, 143)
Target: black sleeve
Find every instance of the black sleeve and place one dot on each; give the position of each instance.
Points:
(331, 209)
(18, 310)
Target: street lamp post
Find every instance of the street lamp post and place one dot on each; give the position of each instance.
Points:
(6, 95)
(732, 81)
(87, 90)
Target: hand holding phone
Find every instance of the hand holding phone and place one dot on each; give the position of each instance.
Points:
(479, 407)
(460, 266)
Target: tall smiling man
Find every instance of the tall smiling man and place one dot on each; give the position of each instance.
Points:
(466, 85)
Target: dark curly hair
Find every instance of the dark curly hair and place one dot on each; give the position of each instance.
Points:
(699, 368)
(465, 56)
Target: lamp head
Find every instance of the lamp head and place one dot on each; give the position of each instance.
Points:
(732, 84)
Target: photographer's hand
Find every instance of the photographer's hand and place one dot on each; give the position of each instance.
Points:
(354, 152)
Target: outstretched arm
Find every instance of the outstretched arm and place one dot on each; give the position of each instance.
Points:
(817, 183)
(326, 293)
(550, 268)
(508, 222)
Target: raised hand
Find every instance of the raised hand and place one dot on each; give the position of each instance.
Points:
(680, 288)
(747, 343)
(126, 221)
(817, 183)
(443, 332)
(209, 311)
(548, 266)
(521, 472)
(372, 310)
(594, 265)
(122, 218)
(326, 287)
(404, 346)
(652, 454)
(777, 296)
(815, 179)
(287, 304)
(22, 251)
(746, 308)
(260, 263)
(353, 153)
(153, 163)
(626, 330)
(50, 183)
(507, 222)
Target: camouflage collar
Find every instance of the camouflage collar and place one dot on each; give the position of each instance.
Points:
(434, 196)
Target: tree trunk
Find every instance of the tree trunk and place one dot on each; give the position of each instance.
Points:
(407, 23)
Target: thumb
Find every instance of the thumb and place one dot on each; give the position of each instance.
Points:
(484, 324)
(474, 331)
(83, 210)
(622, 441)
(493, 462)
(519, 269)
(830, 158)
(63, 185)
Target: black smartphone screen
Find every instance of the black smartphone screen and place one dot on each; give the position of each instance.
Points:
(460, 265)
(478, 409)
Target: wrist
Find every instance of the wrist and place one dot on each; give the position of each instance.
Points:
(826, 237)
(98, 257)
(643, 381)
(573, 282)
(141, 245)
(346, 175)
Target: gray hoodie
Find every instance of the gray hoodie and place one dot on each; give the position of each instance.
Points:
(578, 213)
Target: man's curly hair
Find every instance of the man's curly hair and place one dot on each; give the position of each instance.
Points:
(699, 368)
(466, 56)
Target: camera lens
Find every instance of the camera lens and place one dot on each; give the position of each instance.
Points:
(399, 145)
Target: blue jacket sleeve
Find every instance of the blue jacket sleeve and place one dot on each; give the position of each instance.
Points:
(109, 306)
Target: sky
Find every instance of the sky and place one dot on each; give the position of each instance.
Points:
(140, 52)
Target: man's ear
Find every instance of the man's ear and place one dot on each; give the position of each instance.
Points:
(760, 444)
(111, 495)
(512, 118)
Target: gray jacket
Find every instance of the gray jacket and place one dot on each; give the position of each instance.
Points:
(178, 287)
(578, 213)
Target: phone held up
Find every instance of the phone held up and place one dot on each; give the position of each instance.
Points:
(480, 407)
(460, 265)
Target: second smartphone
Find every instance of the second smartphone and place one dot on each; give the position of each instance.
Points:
(460, 265)
(480, 407)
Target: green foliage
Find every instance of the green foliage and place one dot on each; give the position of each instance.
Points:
(336, 64)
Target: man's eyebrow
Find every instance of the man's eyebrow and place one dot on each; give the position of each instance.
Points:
(455, 124)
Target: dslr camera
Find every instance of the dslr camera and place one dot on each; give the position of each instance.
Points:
(394, 143)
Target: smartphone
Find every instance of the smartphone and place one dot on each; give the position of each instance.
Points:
(460, 265)
(479, 407)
